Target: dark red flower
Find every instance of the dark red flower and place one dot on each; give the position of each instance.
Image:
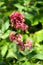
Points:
(21, 45)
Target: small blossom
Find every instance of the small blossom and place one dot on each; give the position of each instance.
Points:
(19, 37)
(28, 44)
(17, 25)
(12, 36)
(24, 27)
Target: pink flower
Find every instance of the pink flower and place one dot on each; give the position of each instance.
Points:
(19, 37)
(12, 36)
(24, 26)
(28, 44)
(17, 20)
(16, 17)
(17, 25)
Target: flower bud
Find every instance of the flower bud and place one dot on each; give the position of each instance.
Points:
(28, 44)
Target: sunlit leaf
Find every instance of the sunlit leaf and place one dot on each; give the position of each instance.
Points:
(38, 36)
(5, 26)
(4, 50)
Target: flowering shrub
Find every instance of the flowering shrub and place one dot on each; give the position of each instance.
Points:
(21, 32)
(17, 21)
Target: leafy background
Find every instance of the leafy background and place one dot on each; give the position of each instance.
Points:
(33, 12)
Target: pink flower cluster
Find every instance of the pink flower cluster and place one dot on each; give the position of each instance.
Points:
(17, 20)
(18, 39)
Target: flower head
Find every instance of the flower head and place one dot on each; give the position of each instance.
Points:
(16, 17)
(17, 21)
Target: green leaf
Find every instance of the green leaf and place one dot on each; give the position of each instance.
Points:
(4, 7)
(27, 2)
(41, 18)
(12, 51)
(38, 36)
(40, 2)
(4, 50)
(22, 58)
(2, 42)
(11, 54)
(14, 47)
(25, 36)
(5, 26)
(39, 56)
(27, 63)
(38, 48)
(20, 7)
(1, 3)
(35, 22)
(5, 35)
(23, 53)
(28, 16)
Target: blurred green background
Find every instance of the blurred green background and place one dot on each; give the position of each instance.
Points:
(33, 12)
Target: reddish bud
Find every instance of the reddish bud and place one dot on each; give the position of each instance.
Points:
(12, 36)
(21, 45)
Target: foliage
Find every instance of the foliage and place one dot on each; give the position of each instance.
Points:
(10, 54)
